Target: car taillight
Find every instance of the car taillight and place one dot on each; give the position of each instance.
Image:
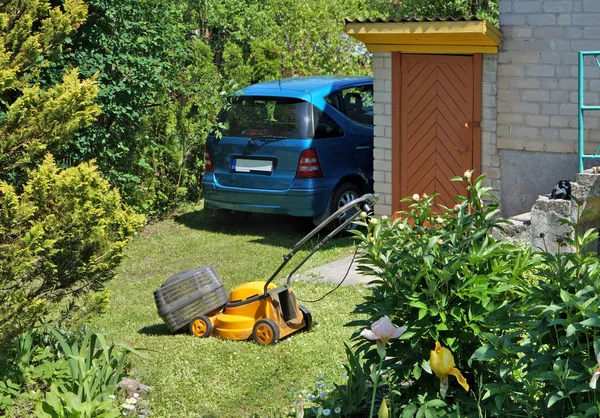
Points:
(208, 167)
(308, 166)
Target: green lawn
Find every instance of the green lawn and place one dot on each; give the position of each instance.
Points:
(193, 377)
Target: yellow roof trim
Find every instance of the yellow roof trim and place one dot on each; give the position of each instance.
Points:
(451, 37)
(434, 49)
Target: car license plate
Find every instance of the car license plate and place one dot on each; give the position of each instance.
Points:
(243, 165)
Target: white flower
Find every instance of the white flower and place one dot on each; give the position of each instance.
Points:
(136, 395)
(416, 196)
(113, 397)
(326, 412)
(439, 220)
(337, 410)
(468, 174)
(384, 218)
(363, 214)
(596, 374)
(383, 330)
(373, 221)
(401, 226)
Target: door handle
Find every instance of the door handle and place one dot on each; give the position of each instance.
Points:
(362, 147)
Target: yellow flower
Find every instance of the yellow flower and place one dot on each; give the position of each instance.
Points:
(383, 410)
(441, 362)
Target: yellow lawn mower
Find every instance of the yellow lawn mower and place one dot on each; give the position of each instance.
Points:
(261, 310)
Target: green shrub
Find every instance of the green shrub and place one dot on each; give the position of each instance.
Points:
(59, 239)
(520, 326)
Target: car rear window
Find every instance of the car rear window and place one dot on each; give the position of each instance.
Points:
(268, 117)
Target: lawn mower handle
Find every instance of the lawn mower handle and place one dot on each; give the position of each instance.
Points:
(365, 201)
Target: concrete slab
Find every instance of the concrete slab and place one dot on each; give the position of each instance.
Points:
(334, 273)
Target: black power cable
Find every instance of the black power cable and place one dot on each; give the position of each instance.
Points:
(338, 285)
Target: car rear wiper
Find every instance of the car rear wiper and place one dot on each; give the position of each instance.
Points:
(266, 138)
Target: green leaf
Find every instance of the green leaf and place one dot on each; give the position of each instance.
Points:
(436, 403)
(591, 322)
(485, 353)
(418, 304)
(409, 411)
(555, 398)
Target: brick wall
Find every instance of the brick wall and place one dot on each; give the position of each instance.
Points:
(490, 158)
(382, 152)
(537, 79)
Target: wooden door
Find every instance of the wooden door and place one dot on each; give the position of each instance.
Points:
(438, 137)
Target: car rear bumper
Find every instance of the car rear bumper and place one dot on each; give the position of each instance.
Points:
(305, 197)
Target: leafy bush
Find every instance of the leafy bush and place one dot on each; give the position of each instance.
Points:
(59, 239)
(42, 105)
(519, 326)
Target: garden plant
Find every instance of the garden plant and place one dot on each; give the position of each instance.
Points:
(63, 374)
(488, 327)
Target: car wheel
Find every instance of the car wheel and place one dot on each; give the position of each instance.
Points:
(342, 195)
(201, 327)
(307, 316)
(265, 332)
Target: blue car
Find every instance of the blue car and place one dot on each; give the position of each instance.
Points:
(301, 146)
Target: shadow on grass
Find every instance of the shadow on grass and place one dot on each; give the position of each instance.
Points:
(156, 329)
(277, 230)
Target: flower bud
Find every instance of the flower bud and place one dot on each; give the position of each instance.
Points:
(373, 221)
(439, 220)
(440, 241)
(415, 196)
(401, 226)
(468, 174)
(384, 218)
(363, 214)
